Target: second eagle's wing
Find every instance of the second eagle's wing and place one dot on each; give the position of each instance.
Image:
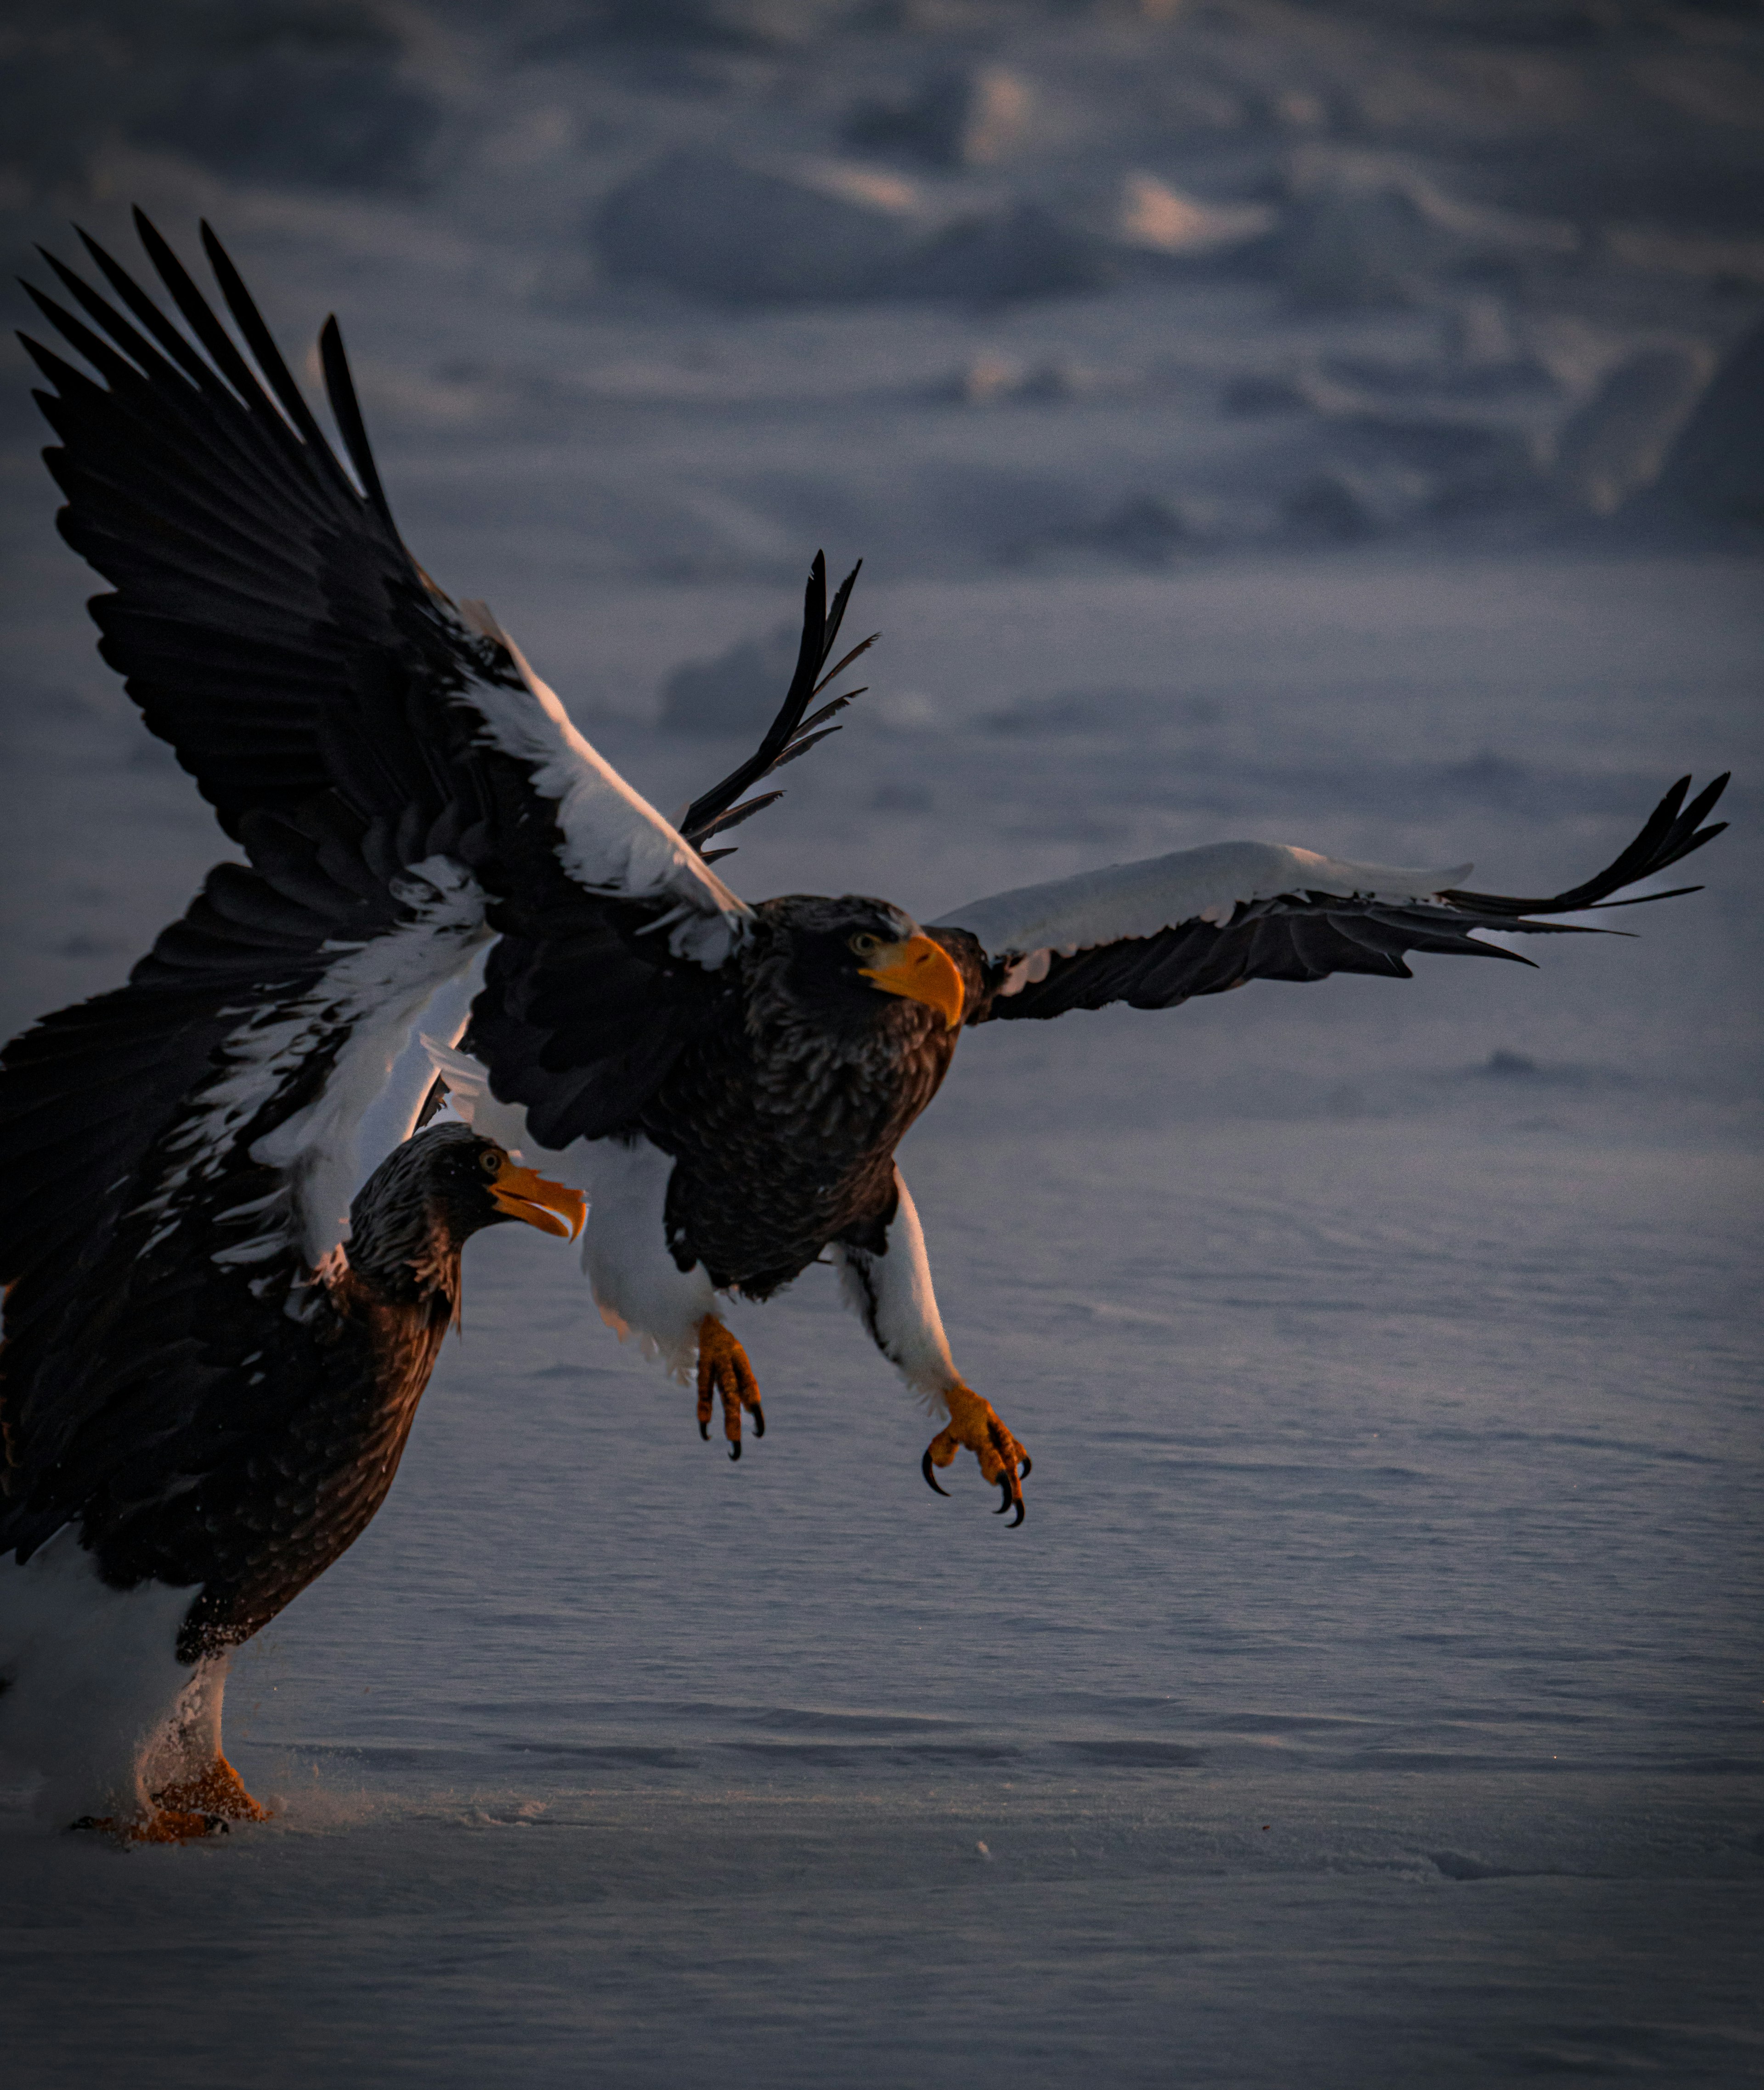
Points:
(180, 1154)
(1156, 933)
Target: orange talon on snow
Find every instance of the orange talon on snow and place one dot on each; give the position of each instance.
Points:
(185, 1811)
(723, 1369)
(1003, 1460)
(219, 1791)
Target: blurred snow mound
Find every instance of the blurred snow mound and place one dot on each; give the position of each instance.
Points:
(734, 25)
(1366, 232)
(1617, 443)
(957, 119)
(749, 232)
(315, 93)
(1717, 465)
(309, 118)
(738, 692)
(1145, 530)
(800, 230)
(1025, 251)
(1152, 216)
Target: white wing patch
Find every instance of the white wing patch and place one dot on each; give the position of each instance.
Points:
(614, 840)
(391, 1118)
(1034, 923)
(469, 1101)
(638, 1287)
(368, 999)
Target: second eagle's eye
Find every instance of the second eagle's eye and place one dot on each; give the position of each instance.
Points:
(863, 945)
(491, 1161)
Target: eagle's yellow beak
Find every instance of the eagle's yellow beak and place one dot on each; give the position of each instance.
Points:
(922, 970)
(524, 1195)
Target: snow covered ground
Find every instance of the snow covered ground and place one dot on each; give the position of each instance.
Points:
(1373, 1695)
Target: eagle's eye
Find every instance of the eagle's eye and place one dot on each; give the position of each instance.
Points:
(864, 944)
(491, 1161)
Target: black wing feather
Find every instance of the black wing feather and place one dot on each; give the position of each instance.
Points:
(791, 733)
(1306, 936)
(1670, 833)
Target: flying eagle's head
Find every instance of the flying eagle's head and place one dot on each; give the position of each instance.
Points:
(427, 1198)
(839, 959)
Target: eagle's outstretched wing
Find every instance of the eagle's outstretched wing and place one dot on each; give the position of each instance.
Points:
(274, 629)
(1155, 933)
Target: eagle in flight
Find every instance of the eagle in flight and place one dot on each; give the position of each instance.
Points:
(446, 890)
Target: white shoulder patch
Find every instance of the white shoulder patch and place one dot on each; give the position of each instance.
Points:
(1034, 923)
(362, 1008)
(614, 841)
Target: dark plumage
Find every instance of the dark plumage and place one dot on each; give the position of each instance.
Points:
(282, 1396)
(312, 1445)
(784, 1112)
(731, 1081)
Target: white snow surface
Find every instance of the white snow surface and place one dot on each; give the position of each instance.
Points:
(1372, 1696)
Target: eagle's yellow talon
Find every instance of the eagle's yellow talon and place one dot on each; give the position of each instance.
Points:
(974, 1424)
(206, 1804)
(723, 1371)
(218, 1792)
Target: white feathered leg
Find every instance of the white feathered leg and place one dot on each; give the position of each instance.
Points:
(94, 1689)
(890, 1289)
(638, 1287)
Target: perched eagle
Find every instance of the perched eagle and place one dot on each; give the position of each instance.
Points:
(435, 853)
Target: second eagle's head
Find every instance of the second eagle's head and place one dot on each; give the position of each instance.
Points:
(844, 962)
(426, 1200)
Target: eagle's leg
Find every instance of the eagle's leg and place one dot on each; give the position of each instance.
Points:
(723, 1369)
(206, 1803)
(886, 1276)
(974, 1423)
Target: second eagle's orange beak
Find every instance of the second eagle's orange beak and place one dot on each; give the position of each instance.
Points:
(922, 970)
(524, 1194)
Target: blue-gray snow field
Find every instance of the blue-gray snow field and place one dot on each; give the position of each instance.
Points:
(1323, 425)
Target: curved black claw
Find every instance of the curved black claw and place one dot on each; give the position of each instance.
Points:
(1027, 1467)
(1010, 1501)
(759, 1420)
(734, 1449)
(704, 1431)
(930, 1478)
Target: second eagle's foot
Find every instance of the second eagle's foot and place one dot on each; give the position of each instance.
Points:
(974, 1424)
(206, 1804)
(218, 1792)
(723, 1371)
